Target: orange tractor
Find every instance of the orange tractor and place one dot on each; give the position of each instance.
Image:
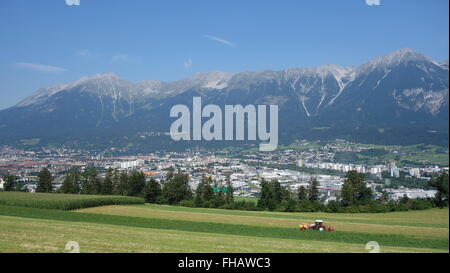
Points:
(318, 225)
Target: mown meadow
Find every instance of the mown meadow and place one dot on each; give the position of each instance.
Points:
(131, 226)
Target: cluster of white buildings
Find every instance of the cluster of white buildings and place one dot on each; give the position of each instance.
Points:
(345, 167)
(397, 194)
(129, 165)
(376, 170)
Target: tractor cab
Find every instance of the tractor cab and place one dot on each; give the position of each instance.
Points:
(318, 225)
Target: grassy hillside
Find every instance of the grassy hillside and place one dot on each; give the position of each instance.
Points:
(36, 235)
(383, 224)
(156, 228)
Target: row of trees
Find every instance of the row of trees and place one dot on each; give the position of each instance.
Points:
(176, 187)
(273, 195)
(114, 183)
(175, 190)
(355, 197)
(354, 192)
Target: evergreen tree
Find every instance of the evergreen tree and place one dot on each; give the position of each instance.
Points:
(230, 191)
(89, 176)
(85, 186)
(441, 184)
(45, 179)
(10, 183)
(354, 190)
(208, 189)
(277, 192)
(313, 190)
(302, 194)
(218, 199)
(115, 182)
(290, 204)
(71, 182)
(67, 184)
(107, 185)
(95, 182)
(123, 186)
(267, 199)
(136, 183)
(176, 188)
(152, 191)
(286, 194)
(204, 192)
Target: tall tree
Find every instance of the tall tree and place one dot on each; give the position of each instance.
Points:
(219, 196)
(354, 190)
(286, 194)
(71, 182)
(107, 185)
(85, 186)
(67, 184)
(176, 188)
(204, 191)
(45, 179)
(290, 202)
(313, 190)
(277, 191)
(441, 184)
(267, 199)
(136, 183)
(90, 182)
(230, 190)
(152, 191)
(123, 186)
(10, 182)
(302, 194)
(95, 181)
(115, 182)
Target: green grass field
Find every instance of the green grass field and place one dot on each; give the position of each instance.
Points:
(63, 201)
(158, 228)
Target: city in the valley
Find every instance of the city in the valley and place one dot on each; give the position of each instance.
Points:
(397, 170)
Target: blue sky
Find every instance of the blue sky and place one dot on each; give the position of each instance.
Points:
(48, 42)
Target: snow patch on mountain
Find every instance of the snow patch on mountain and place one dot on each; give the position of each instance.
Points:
(42, 95)
(398, 57)
(444, 64)
(416, 99)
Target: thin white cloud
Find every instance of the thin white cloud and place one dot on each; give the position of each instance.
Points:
(85, 53)
(40, 67)
(220, 40)
(188, 63)
(123, 58)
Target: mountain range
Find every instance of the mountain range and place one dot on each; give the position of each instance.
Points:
(399, 98)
